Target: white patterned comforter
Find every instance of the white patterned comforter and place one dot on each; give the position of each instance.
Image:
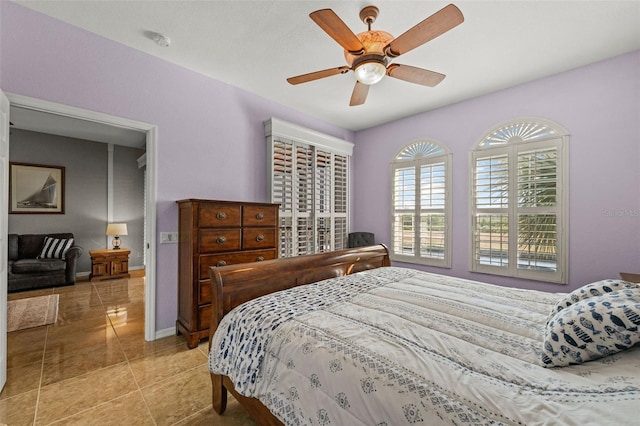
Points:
(394, 346)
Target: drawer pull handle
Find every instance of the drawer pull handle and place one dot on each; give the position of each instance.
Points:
(221, 240)
(260, 238)
(260, 259)
(260, 216)
(221, 263)
(221, 215)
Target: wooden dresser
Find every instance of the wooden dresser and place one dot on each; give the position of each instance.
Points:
(217, 233)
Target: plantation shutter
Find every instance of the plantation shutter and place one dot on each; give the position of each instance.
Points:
(518, 202)
(491, 227)
(309, 178)
(340, 199)
(404, 211)
(432, 210)
(420, 231)
(537, 215)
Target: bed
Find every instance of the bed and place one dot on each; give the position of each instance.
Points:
(344, 338)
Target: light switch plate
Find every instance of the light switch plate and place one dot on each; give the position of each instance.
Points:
(168, 237)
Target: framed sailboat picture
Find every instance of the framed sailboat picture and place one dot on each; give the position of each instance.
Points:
(35, 188)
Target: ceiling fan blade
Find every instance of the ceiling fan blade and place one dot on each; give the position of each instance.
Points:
(415, 75)
(317, 75)
(359, 94)
(435, 25)
(338, 30)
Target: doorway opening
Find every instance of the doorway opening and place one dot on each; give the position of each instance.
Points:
(54, 118)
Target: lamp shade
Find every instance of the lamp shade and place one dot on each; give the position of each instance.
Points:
(116, 229)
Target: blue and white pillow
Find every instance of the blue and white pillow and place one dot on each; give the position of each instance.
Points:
(55, 248)
(597, 288)
(593, 328)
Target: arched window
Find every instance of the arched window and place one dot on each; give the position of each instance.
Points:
(519, 201)
(420, 204)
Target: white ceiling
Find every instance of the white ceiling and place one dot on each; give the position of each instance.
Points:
(44, 122)
(256, 45)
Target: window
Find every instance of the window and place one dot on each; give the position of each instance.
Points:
(519, 199)
(420, 206)
(309, 178)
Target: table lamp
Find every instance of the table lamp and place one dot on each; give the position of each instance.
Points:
(116, 229)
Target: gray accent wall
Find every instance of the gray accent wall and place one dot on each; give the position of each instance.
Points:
(86, 192)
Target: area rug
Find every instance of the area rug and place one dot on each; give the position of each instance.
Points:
(32, 312)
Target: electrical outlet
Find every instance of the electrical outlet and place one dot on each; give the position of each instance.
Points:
(168, 237)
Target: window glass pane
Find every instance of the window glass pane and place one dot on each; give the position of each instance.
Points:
(537, 178)
(283, 174)
(304, 179)
(404, 189)
(404, 234)
(285, 247)
(432, 236)
(305, 236)
(537, 242)
(323, 234)
(491, 186)
(492, 239)
(340, 183)
(323, 182)
(432, 186)
(340, 233)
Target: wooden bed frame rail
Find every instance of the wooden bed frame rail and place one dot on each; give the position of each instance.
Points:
(235, 284)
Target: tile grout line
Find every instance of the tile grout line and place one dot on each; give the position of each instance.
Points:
(44, 353)
(126, 357)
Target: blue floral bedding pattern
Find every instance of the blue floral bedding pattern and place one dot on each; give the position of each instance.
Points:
(395, 346)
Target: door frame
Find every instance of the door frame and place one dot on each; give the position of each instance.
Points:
(4, 219)
(151, 191)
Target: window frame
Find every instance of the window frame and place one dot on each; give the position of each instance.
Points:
(441, 155)
(550, 135)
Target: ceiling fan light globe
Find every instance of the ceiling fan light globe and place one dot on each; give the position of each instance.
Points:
(370, 72)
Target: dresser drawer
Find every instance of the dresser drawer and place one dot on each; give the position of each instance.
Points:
(260, 215)
(257, 238)
(223, 259)
(204, 285)
(219, 215)
(204, 317)
(215, 240)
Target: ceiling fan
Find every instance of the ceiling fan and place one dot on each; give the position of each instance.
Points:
(369, 52)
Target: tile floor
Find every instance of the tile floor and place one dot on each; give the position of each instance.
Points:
(93, 366)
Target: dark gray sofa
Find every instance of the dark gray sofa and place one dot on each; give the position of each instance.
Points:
(27, 272)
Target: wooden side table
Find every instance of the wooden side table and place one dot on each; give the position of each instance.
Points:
(109, 264)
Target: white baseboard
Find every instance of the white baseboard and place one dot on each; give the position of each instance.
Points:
(171, 331)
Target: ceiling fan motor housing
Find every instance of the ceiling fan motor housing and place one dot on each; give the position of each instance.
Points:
(373, 41)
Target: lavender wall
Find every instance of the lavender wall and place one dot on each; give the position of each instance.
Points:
(211, 140)
(598, 104)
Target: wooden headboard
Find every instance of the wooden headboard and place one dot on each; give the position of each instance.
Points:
(235, 284)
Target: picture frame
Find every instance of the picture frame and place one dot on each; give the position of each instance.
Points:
(36, 189)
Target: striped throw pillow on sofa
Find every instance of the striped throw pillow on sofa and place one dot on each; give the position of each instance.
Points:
(55, 248)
